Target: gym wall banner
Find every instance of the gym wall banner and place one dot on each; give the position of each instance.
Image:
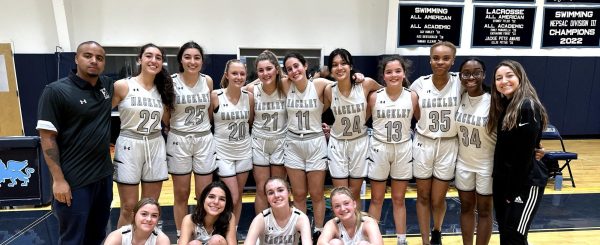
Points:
(503, 26)
(571, 27)
(512, 1)
(423, 25)
(572, 1)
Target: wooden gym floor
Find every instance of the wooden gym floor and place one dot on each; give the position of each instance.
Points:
(569, 216)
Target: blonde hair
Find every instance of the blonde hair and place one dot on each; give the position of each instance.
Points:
(224, 82)
(343, 190)
(525, 91)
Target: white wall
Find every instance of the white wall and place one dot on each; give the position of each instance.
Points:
(364, 27)
(224, 25)
(28, 25)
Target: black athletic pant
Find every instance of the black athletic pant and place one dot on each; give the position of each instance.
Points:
(84, 222)
(515, 212)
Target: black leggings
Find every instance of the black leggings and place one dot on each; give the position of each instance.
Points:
(515, 212)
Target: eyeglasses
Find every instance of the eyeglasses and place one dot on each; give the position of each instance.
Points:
(477, 74)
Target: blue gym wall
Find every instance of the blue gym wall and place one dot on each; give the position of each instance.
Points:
(569, 87)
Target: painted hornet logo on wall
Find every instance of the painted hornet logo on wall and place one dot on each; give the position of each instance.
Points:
(13, 171)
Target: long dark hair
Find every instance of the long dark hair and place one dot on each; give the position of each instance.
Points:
(296, 55)
(186, 46)
(221, 225)
(162, 80)
(346, 57)
(406, 65)
(525, 91)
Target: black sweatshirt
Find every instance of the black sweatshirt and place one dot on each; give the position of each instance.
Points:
(515, 149)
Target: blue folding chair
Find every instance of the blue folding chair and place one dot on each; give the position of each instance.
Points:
(551, 133)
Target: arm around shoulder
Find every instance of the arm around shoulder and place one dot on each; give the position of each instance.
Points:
(417, 85)
(209, 82)
(371, 85)
(121, 90)
(327, 97)
(251, 104)
(415, 103)
(322, 82)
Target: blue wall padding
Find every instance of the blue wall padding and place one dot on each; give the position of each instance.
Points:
(214, 66)
(592, 123)
(33, 71)
(569, 87)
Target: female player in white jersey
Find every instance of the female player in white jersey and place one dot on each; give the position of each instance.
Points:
(143, 229)
(349, 143)
(232, 114)
(349, 226)
(212, 221)
(435, 144)
(140, 149)
(474, 163)
(190, 146)
(281, 223)
(392, 110)
(305, 146)
(270, 124)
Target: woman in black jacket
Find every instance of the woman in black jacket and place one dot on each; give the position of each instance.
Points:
(519, 180)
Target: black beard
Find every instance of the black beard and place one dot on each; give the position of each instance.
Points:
(92, 75)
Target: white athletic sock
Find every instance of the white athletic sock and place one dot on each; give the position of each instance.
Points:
(318, 229)
(178, 233)
(401, 237)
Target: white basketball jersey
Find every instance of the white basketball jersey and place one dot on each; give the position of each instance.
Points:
(191, 105)
(141, 110)
(358, 235)
(304, 110)
(392, 118)
(476, 146)
(350, 113)
(127, 236)
(231, 128)
(274, 234)
(438, 107)
(201, 234)
(270, 116)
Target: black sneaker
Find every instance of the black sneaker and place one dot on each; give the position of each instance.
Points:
(436, 238)
(315, 237)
